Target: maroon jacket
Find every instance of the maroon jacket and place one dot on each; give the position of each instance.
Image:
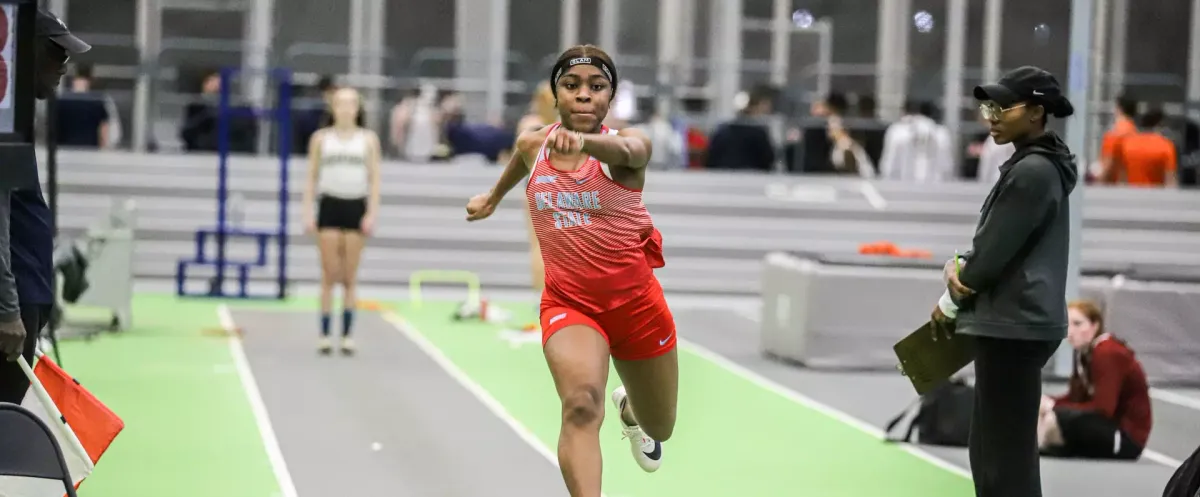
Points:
(1118, 389)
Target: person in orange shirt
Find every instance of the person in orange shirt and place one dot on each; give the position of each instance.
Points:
(1125, 112)
(1146, 157)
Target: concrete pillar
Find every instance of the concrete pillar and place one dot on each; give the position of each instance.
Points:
(148, 33)
(1079, 91)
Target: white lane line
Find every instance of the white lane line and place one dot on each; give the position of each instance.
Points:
(287, 487)
(794, 396)
(1162, 459)
(873, 196)
(842, 416)
(475, 389)
(1174, 398)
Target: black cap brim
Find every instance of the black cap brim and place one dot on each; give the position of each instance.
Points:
(997, 93)
(71, 43)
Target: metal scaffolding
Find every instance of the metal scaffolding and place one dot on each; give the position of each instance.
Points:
(482, 58)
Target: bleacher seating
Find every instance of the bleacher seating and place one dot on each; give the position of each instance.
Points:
(717, 226)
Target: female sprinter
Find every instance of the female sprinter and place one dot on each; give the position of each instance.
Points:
(344, 171)
(600, 248)
(1105, 413)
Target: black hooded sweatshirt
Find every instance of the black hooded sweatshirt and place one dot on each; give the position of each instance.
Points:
(1017, 265)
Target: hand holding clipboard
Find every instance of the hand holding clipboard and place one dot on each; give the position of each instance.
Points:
(934, 352)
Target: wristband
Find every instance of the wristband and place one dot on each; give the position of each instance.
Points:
(946, 304)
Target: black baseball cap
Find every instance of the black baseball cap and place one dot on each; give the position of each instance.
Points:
(1023, 84)
(50, 26)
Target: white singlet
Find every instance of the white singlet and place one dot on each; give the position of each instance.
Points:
(343, 165)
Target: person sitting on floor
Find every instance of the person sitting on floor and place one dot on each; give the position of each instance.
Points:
(1105, 413)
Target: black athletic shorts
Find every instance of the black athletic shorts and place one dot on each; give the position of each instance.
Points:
(13, 383)
(340, 213)
(1088, 434)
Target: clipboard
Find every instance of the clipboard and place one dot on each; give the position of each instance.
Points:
(928, 362)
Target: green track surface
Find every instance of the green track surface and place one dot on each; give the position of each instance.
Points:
(733, 437)
(189, 431)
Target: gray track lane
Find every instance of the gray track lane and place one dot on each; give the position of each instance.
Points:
(437, 439)
(875, 398)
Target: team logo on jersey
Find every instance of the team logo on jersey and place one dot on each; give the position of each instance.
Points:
(572, 209)
(544, 179)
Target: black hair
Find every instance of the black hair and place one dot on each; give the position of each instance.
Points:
(1127, 104)
(836, 102)
(326, 83)
(1055, 105)
(762, 93)
(583, 51)
(360, 119)
(1152, 118)
(84, 70)
(920, 107)
(912, 107)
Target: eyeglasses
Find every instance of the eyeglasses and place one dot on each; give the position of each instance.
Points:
(993, 112)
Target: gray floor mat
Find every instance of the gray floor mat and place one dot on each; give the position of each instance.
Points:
(874, 398)
(435, 438)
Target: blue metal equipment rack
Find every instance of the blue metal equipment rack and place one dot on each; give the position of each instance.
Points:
(281, 114)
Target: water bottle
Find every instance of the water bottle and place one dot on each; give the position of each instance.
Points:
(237, 211)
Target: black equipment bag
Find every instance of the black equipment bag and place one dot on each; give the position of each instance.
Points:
(73, 270)
(940, 417)
(1186, 480)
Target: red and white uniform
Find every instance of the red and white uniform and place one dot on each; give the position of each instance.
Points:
(600, 249)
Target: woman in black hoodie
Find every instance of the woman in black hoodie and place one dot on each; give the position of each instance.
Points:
(1010, 293)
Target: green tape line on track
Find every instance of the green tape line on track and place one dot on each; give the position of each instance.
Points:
(189, 431)
(734, 438)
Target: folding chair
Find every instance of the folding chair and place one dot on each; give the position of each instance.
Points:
(30, 449)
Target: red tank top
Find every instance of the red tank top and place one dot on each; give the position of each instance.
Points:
(598, 243)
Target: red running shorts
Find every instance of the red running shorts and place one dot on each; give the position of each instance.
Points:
(642, 328)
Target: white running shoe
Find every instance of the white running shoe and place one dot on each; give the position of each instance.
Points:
(646, 451)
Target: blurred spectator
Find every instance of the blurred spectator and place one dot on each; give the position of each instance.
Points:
(415, 125)
(623, 109)
(1147, 157)
(916, 148)
(1189, 154)
(1124, 117)
(312, 114)
(810, 152)
(697, 147)
(200, 131)
(848, 156)
(543, 109)
(745, 142)
(465, 138)
(398, 120)
(871, 135)
(86, 118)
(1106, 410)
(669, 143)
(696, 138)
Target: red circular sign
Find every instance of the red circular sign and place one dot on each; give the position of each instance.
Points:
(3, 44)
(3, 28)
